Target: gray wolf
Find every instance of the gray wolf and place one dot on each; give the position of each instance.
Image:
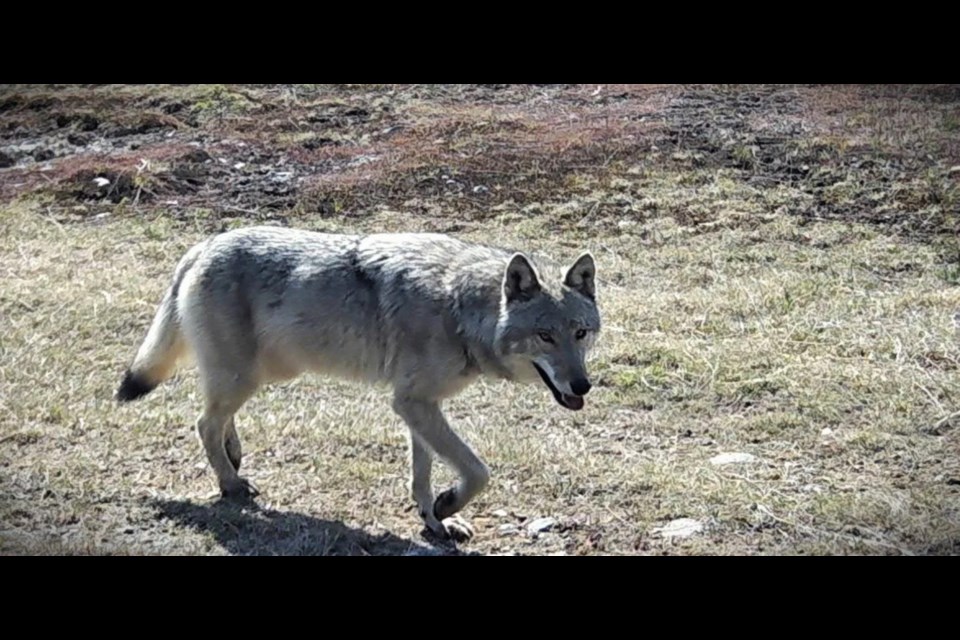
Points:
(427, 314)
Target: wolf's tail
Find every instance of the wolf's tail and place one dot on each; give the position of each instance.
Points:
(157, 357)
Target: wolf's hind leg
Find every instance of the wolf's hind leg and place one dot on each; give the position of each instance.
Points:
(225, 393)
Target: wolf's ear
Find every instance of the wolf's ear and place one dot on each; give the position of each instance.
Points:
(520, 280)
(580, 276)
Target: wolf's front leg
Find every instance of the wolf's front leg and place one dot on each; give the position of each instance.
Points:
(421, 488)
(429, 431)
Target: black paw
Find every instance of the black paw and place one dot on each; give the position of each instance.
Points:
(443, 506)
(242, 490)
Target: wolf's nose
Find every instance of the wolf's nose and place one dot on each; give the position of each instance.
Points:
(580, 387)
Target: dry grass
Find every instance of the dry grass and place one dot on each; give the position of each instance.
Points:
(823, 346)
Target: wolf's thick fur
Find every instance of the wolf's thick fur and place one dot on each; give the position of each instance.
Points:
(425, 313)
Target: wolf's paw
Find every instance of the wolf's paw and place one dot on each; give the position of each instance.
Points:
(241, 489)
(458, 529)
(453, 528)
(445, 505)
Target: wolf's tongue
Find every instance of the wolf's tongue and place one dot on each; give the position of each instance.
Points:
(574, 403)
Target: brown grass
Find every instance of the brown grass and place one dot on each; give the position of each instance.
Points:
(750, 307)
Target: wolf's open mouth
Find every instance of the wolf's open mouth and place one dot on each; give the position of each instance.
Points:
(574, 403)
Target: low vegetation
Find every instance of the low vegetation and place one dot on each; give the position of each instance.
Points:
(778, 268)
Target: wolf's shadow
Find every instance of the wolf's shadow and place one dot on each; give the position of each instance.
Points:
(245, 528)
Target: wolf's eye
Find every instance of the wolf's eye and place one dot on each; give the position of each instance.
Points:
(546, 337)
(581, 334)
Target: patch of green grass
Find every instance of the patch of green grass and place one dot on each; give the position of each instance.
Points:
(218, 99)
(951, 274)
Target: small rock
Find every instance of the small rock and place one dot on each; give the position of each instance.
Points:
(197, 155)
(826, 432)
(679, 528)
(540, 525)
(954, 169)
(362, 160)
(501, 513)
(78, 139)
(508, 529)
(101, 182)
(732, 458)
(89, 123)
(316, 143)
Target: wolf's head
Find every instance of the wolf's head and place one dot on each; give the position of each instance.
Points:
(547, 326)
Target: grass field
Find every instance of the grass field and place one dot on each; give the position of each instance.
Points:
(778, 273)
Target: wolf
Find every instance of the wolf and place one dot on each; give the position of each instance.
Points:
(424, 313)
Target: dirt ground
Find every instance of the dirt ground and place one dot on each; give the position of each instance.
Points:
(778, 269)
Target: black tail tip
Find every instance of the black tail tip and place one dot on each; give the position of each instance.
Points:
(133, 387)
